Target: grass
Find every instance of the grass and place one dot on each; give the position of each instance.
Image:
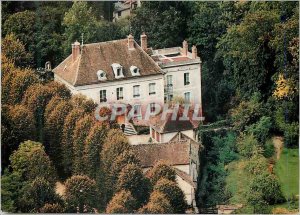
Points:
(287, 170)
(237, 181)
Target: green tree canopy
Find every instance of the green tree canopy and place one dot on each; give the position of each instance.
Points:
(131, 178)
(14, 49)
(174, 194)
(122, 202)
(31, 161)
(158, 204)
(81, 192)
(161, 170)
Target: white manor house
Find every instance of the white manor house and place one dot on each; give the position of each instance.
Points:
(124, 72)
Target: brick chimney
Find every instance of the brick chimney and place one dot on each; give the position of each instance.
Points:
(184, 48)
(75, 50)
(130, 42)
(144, 41)
(194, 52)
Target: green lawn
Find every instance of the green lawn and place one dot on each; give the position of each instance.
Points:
(287, 170)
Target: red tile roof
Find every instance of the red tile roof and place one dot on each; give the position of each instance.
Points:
(100, 56)
(173, 153)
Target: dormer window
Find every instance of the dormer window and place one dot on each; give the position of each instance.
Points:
(101, 75)
(118, 70)
(134, 71)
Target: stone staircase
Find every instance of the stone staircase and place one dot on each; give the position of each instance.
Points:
(129, 129)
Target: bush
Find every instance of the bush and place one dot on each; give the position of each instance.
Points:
(261, 129)
(248, 146)
(269, 149)
(265, 188)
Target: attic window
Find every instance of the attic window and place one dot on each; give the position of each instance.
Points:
(101, 75)
(118, 70)
(134, 71)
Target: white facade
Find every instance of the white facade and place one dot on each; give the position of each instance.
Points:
(180, 87)
(144, 82)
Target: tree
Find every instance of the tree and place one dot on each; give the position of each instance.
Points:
(115, 144)
(22, 24)
(264, 188)
(158, 204)
(36, 98)
(131, 178)
(248, 54)
(40, 192)
(93, 147)
(122, 202)
(11, 191)
(14, 50)
(173, 193)
(18, 125)
(78, 20)
(81, 192)
(81, 101)
(247, 112)
(125, 158)
(53, 132)
(51, 106)
(81, 132)
(52, 208)
(31, 161)
(15, 85)
(59, 89)
(168, 33)
(161, 170)
(67, 139)
(261, 129)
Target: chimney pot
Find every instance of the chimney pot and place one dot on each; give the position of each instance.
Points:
(144, 41)
(184, 48)
(75, 50)
(130, 42)
(194, 52)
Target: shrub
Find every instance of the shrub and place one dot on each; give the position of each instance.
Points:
(248, 146)
(260, 129)
(265, 188)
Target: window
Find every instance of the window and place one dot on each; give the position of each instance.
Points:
(187, 97)
(186, 78)
(151, 88)
(169, 81)
(119, 93)
(136, 91)
(118, 70)
(101, 75)
(119, 13)
(103, 96)
(152, 107)
(137, 110)
(134, 71)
